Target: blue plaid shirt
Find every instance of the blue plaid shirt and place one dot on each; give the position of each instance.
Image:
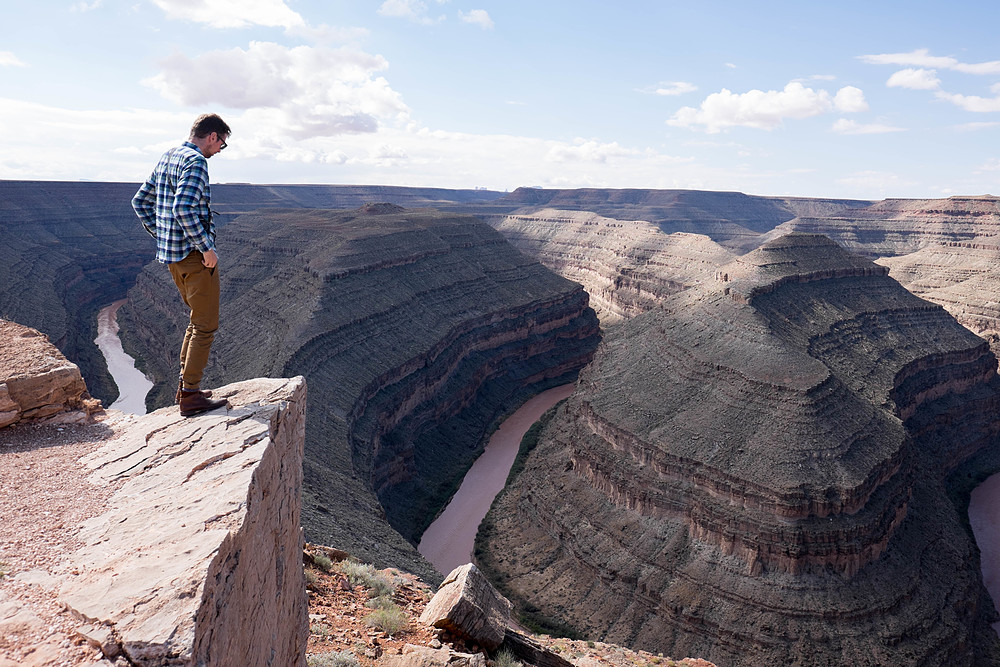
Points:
(173, 204)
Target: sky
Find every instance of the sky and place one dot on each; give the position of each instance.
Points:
(860, 100)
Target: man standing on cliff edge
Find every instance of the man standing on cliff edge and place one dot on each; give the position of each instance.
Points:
(173, 205)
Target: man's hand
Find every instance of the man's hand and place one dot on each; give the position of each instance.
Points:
(209, 259)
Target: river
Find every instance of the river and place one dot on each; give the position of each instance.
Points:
(449, 541)
(132, 384)
(984, 515)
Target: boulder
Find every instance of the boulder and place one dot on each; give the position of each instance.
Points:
(36, 380)
(468, 606)
(198, 558)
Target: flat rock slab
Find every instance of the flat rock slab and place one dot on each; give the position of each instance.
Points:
(468, 606)
(198, 559)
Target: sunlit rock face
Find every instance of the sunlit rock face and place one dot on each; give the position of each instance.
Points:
(627, 266)
(755, 474)
(415, 329)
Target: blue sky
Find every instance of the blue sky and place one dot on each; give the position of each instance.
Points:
(865, 100)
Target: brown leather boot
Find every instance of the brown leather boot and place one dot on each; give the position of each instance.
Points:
(195, 402)
(207, 393)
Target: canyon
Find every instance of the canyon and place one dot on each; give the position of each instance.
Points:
(417, 329)
(778, 491)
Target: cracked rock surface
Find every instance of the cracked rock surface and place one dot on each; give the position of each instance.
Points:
(197, 559)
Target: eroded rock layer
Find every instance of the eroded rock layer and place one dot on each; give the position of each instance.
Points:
(627, 266)
(415, 330)
(754, 474)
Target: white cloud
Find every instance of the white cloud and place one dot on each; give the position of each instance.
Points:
(973, 103)
(672, 88)
(915, 79)
(582, 150)
(414, 10)
(8, 59)
(765, 110)
(844, 126)
(233, 13)
(318, 91)
(478, 17)
(992, 164)
(922, 58)
(850, 100)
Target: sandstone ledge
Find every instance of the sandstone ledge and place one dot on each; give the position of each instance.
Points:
(198, 558)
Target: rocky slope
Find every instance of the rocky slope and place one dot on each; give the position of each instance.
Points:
(415, 331)
(756, 474)
(627, 266)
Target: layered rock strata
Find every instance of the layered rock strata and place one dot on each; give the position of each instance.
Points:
(731, 219)
(415, 329)
(37, 381)
(627, 266)
(198, 559)
(895, 227)
(755, 474)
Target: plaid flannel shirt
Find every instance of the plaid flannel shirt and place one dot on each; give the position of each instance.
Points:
(173, 204)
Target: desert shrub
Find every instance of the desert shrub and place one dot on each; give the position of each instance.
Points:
(389, 621)
(380, 602)
(311, 578)
(323, 562)
(506, 659)
(364, 574)
(333, 659)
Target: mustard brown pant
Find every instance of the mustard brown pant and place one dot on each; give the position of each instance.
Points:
(199, 288)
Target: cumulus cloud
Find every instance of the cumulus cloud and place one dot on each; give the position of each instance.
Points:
(845, 126)
(915, 79)
(671, 88)
(319, 91)
(233, 13)
(8, 59)
(850, 100)
(923, 59)
(478, 17)
(766, 109)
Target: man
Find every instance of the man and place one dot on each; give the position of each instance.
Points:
(173, 205)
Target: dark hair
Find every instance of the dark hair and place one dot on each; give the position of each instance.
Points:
(207, 123)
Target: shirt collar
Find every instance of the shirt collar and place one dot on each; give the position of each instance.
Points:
(194, 146)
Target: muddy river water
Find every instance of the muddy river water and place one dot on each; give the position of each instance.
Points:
(132, 384)
(448, 542)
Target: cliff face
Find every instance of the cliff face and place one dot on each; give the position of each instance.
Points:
(415, 330)
(755, 474)
(627, 266)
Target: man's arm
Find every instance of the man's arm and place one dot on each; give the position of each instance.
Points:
(144, 205)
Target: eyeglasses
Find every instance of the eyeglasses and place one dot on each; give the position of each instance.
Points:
(224, 144)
